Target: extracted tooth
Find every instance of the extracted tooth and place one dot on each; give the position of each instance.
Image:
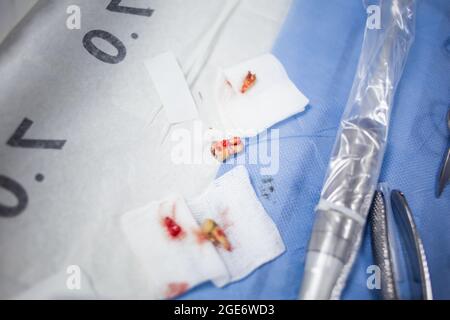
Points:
(249, 82)
(215, 234)
(224, 149)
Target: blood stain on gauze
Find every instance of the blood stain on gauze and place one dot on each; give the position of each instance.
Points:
(249, 82)
(224, 149)
(176, 289)
(173, 229)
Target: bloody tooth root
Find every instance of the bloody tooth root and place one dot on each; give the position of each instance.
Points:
(215, 234)
(224, 149)
(249, 82)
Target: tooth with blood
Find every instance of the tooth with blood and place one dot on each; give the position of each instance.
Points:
(224, 149)
(214, 233)
(249, 82)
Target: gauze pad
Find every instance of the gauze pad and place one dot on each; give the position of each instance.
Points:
(272, 98)
(166, 240)
(254, 238)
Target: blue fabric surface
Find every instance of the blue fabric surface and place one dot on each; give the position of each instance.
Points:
(319, 46)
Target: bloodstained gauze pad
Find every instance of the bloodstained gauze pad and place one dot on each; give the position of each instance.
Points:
(252, 101)
(231, 202)
(164, 237)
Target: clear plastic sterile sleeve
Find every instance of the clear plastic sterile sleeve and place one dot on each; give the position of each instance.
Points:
(359, 149)
(356, 159)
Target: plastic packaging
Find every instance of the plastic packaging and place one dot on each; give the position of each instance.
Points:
(358, 153)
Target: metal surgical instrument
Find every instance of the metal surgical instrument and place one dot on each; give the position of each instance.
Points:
(358, 153)
(444, 176)
(390, 215)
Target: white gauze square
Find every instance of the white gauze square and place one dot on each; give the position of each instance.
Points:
(254, 238)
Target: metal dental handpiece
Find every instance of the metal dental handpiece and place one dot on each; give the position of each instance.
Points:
(356, 160)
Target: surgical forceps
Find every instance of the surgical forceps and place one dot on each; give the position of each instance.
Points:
(444, 176)
(391, 218)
